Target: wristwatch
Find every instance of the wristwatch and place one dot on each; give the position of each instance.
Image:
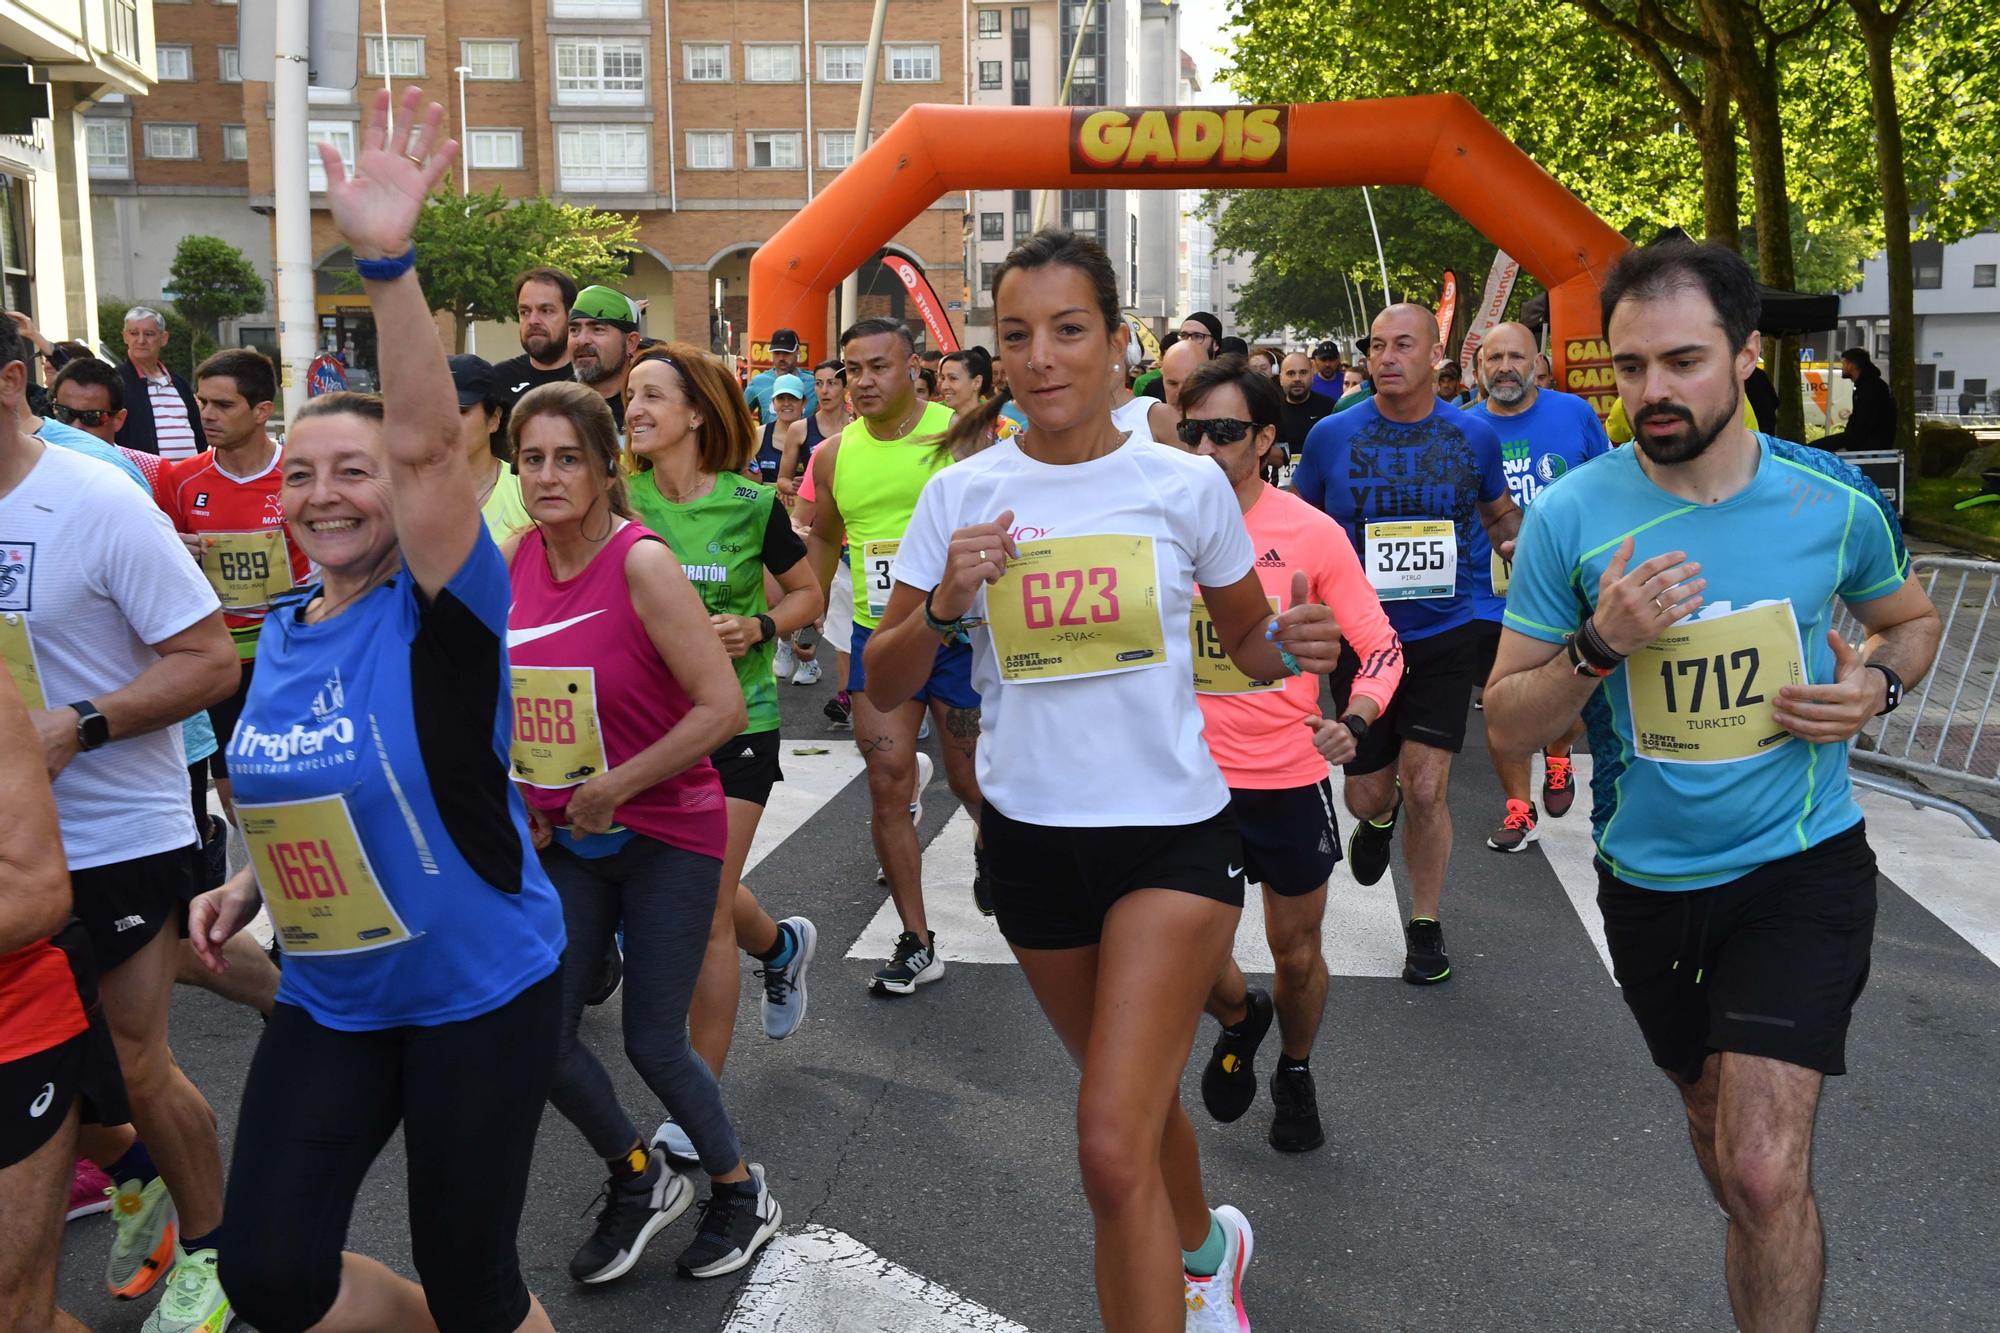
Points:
(1357, 724)
(767, 627)
(92, 727)
(1893, 695)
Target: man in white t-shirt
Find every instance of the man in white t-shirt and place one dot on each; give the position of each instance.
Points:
(113, 636)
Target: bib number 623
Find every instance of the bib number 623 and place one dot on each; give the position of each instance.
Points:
(1041, 591)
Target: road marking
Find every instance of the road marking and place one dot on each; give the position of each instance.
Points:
(811, 780)
(827, 1281)
(1567, 845)
(1932, 856)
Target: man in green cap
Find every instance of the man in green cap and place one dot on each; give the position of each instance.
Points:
(604, 335)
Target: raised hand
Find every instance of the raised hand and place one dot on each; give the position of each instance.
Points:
(401, 161)
(977, 555)
(1635, 607)
(1307, 631)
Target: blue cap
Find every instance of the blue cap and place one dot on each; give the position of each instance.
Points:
(788, 385)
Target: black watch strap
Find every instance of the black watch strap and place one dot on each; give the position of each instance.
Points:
(92, 727)
(767, 626)
(1357, 724)
(1893, 695)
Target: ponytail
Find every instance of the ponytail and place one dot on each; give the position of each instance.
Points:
(972, 431)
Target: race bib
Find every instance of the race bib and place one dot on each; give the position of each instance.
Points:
(1077, 606)
(19, 650)
(876, 559)
(1412, 561)
(556, 741)
(1702, 692)
(1214, 672)
(317, 884)
(248, 570)
(1503, 574)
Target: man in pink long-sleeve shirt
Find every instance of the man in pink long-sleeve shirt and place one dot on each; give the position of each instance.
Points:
(1273, 747)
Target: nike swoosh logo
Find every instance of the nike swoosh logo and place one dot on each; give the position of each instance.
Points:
(41, 1103)
(528, 634)
(1235, 871)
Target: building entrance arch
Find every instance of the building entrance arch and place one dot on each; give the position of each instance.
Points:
(1438, 142)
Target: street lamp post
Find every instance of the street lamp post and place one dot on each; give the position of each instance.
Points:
(465, 178)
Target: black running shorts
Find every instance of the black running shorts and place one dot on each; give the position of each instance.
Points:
(1053, 886)
(1291, 841)
(1439, 674)
(36, 1091)
(1770, 964)
(124, 904)
(748, 766)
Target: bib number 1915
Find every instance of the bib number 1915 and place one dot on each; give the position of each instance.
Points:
(1041, 591)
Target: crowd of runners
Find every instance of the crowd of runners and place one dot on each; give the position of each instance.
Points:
(482, 673)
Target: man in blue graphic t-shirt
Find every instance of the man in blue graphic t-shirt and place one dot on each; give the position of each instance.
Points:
(1418, 486)
(1681, 593)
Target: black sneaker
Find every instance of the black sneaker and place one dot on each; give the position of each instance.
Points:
(1295, 1128)
(734, 1226)
(913, 964)
(982, 888)
(1424, 961)
(215, 854)
(1229, 1081)
(634, 1212)
(1369, 845)
(839, 712)
(611, 978)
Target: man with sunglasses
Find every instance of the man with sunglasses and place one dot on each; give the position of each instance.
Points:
(90, 396)
(1273, 747)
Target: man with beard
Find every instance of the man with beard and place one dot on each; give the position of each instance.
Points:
(784, 361)
(1734, 876)
(604, 336)
(1326, 370)
(1303, 406)
(542, 300)
(1543, 434)
(1420, 490)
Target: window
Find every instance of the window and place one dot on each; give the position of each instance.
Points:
(989, 73)
(494, 150)
(989, 23)
(706, 62)
(1024, 214)
(595, 72)
(597, 9)
(986, 275)
(912, 63)
(108, 146)
(339, 133)
(776, 150)
(836, 148)
(770, 62)
(172, 143)
(992, 226)
(492, 60)
(125, 29)
(604, 158)
(1947, 379)
(229, 64)
(708, 150)
(1975, 387)
(1927, 264)
(235, 144)
(176, 63)
(403, 58)
(842, 62)
(1019, 19)
(1021, 70)
(1983, 274)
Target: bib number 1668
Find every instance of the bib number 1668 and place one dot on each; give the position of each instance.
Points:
(544, 721)
(1042, 591)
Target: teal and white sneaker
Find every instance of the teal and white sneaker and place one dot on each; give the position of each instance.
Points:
(1215, 1304)
(143, 1247)
(194, 1302)
(785, 987)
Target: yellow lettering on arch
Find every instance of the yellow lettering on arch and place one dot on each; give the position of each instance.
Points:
(1197, 137)
(1261, 135)
(1104, 137)
(1152, 140)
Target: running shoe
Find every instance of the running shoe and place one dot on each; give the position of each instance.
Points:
(807, 673)
(674, 1142)
(733, 1228)
(1424, 960)
(982, 887)
(785, 987)
(1558, 786)
(611, 978)
(913, 964)
(1296, 1126)
(1229, 1080)
(90, 1190)
(784, 661)
(924, 770)
(839, 712)
(143, 1248)
(924, 728)
(1517, 830)
(1215, 1304)
(194, 1302)
(1368, 846)
(634, 1212)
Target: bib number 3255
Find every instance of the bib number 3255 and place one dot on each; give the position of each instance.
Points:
(1412, 561)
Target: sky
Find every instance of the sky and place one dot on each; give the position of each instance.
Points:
(1201, 31)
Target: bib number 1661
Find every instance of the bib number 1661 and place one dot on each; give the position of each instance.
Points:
(1041, 592)
(306, 870)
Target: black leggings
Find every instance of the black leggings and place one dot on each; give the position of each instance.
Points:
(317, 1108)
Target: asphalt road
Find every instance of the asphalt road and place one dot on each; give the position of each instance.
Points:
(1501, 1153)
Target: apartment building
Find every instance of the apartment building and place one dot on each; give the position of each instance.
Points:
(57, 58)
(1126, 54)
(1957, 297)
(710, 121)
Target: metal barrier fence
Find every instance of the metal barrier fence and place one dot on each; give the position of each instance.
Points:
(1946, 728)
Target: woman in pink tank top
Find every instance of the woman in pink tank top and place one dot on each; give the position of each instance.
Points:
(621, 690)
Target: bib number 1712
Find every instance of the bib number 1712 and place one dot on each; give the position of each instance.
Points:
(1710, 678)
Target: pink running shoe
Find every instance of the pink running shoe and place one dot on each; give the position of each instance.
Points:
(89, 1190)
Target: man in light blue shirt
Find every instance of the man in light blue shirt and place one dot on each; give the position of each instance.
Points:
(784, 361)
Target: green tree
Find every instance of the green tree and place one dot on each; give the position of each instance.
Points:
(210, 280)
(470, 247)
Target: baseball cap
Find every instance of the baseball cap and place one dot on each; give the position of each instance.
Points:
(1326, 349)
(788, 385)
(784, 340)
(473, 375)
(607, 305)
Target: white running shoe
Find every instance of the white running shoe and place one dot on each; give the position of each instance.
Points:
(924, 728)
(785, 661)
(924, 770)
(672, 1140)
(785, 987)
(1215, 1304)
(807, 674)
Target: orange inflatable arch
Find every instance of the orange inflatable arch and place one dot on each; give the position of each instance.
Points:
(1439, 142)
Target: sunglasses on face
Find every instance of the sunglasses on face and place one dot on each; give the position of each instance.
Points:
(1223, 430)
(90, 417)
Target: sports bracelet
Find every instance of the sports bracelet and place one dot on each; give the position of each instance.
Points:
(1291, 663)
(954, 631)
(387, 270)
(1595, 650)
